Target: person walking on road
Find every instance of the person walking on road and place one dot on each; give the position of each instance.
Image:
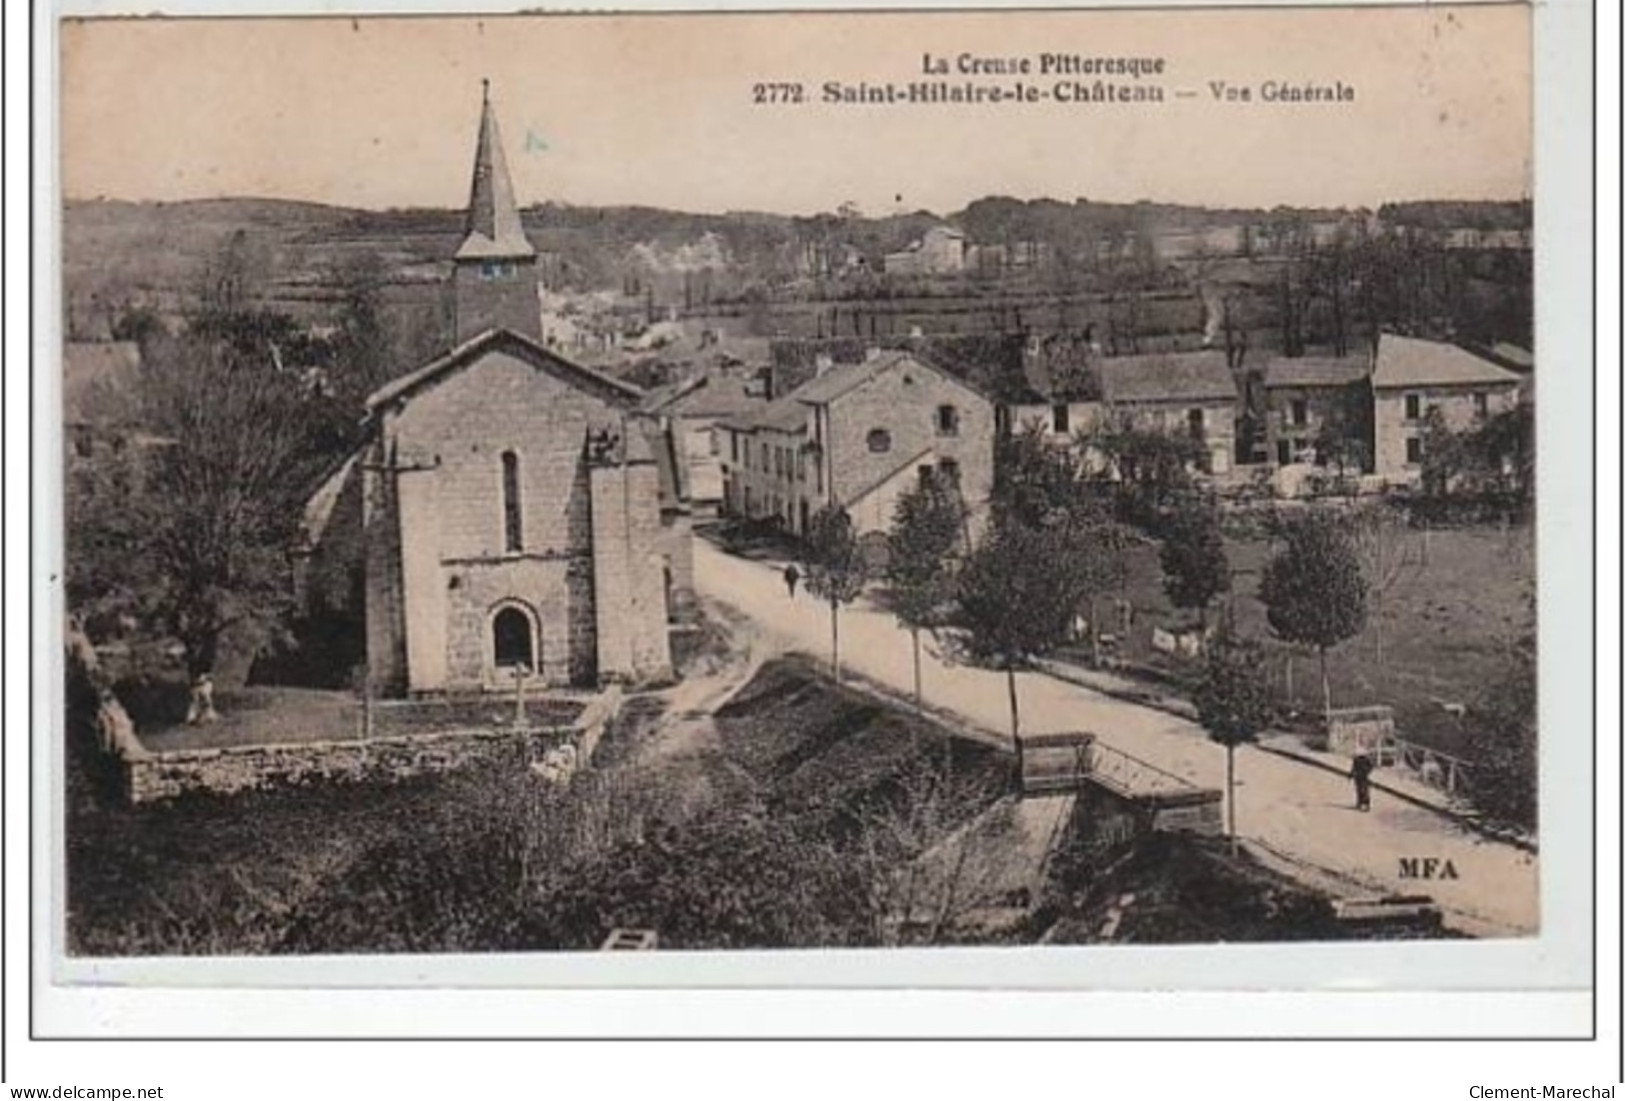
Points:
(1361, 772)
(791, 576)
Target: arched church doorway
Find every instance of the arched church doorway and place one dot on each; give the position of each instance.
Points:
(513, 640)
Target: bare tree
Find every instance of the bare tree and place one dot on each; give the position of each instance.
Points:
(1388, 554)
(833, 564)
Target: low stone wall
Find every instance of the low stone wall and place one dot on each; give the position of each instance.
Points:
(155, 776)
(1115, 817)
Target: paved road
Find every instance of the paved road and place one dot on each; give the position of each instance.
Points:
(1303, 813)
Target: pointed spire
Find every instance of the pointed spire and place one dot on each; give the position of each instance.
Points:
(493, 230)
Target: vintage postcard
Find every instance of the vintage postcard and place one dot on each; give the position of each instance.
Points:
(577, 489)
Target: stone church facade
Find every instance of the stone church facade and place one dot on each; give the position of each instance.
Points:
(516, 510)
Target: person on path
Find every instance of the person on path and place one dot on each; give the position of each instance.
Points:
(1361, 772)
(791, 576)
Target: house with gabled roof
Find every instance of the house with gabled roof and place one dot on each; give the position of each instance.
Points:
(859, 435)
(1413, 377)
(1317, 409)
(692, 409)
(519, 513)
(1190, 393)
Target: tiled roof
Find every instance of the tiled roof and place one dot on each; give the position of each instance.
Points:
(714, 395)
(1316, 371)
(1407, 361)
(787, 414)
(1166, 376)
(840, 380)
(466, 352)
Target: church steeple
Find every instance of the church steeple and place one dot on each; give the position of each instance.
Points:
(492, 229)
(495, 277)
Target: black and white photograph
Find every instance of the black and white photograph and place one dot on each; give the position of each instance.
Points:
(643, 483)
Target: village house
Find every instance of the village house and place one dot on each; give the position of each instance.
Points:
(1056, 391)
(860, 435)
(1175, 392)
(692, 411)
(1412, 377)
(1316, 409)
(940, 251)
(517, 513)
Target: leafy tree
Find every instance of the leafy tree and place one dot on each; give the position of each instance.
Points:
(216, 503)
(1021, 590)
(834, 568)
(1232, 704)
(1443, 455)
(1313, 590)
(1195, 567)
(926, 530)
(1034, 480)
(1154, 469)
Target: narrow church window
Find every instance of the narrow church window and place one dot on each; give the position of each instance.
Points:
(512, 532)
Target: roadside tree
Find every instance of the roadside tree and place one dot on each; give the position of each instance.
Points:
(1020, 592)
(1313, 590)
(927, 529)
(1233, 706)
(834, 568)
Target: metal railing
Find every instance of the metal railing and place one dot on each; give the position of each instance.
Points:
(1431, 767)
(1133, 776)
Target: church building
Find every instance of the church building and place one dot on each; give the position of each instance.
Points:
(515, 509)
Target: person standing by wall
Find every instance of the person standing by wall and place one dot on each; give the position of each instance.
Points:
(1361, 772)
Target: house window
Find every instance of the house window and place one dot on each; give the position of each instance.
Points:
(801, 466)
(925, 474)
(712, 444)
(1060, 418)
(1413, 407)
(1195, 422)
(512, 528)
(1300, 412)
(1413, 450)
(947, 420)
(733, 448)
(879, 440)
(950, 472)
(765, 460)
(496, 269)
(1481, 404)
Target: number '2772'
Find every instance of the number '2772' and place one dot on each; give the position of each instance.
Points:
(777, 93)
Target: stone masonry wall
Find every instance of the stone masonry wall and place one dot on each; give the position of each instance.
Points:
(459, 429)
(904, 401)
(155, 776)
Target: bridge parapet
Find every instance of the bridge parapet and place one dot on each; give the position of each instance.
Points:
(1123, 795)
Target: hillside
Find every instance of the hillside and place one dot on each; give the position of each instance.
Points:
(118, 253)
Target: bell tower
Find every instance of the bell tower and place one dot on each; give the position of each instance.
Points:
(494, 282)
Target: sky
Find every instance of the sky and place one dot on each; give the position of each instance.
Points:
(658, 109)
